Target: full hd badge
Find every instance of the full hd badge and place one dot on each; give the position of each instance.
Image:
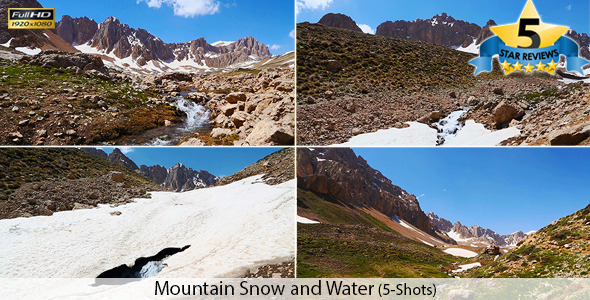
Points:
(31, 18)
(529, 45)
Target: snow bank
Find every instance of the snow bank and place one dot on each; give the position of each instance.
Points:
(417, 134)
(475, 134)
(230, 227)
(467, 267)
(460, 252)
(303, 220)
(28, 51)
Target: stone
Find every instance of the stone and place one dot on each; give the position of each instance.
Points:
(570, 136)
(334, 66)
(506, 112)
(219, 132)
(71, 132)
(238, 118)
(270, 132)
(492, 250)
(117, 177)
(235, 97)
(498, 91)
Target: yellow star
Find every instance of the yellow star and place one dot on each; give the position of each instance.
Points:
(529, 30)
(517, 66)
(505, 65)
(540, 66)
(529, 68)
(552, 65)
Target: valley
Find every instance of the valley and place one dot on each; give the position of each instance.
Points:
(89, 83)
(99, 215)
(393, 88)
(353, 222)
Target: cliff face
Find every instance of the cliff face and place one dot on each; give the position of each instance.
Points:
(180, 178)
(340, 174)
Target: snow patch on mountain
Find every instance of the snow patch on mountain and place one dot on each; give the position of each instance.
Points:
(230, 228)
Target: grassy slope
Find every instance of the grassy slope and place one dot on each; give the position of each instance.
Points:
(21, 165)
(351, 243)
(24, 82)
(370, 60)
(561, 249)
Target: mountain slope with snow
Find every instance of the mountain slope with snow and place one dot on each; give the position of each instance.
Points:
(229, 229)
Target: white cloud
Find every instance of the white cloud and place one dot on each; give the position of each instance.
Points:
(312, 4)
(186, 8)
(275, 47)
(420, 196)
(569, 7)
(126, 150)
(366, 28)
(292, 34)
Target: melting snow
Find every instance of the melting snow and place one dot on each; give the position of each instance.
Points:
(460, 252)
(28, 51)
(467, 267)
(228, 227)
(427, 243)
(7, 44)
(303, 220)
(475, 134)
(417, 134)
(222, 43)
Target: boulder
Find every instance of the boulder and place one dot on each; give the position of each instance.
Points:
(235, 97)
(505, 112)
(570, 136)
(117, 177)
(272, 133)
(492, 250)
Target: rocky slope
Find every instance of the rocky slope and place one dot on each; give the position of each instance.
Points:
(45, 180)
(116, 41)
(340, 174)
(32, 39)
(339, 21)
(247, 107)
(177, 178)
(557, 250)
(277, 168)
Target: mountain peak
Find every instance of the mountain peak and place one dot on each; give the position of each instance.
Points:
(339, 21)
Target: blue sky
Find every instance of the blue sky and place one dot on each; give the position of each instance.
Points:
(574, 13)
(504, 189)
(175, 21)
(219, 161)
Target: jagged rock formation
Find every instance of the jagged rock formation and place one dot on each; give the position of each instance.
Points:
(340, 174)
(277, 168)
(42, 39)
(79, 62)
(96, 152)
(340, 21)
(76, 31)
(440, 223)
(181, 178)
(155, 173)
(117, 40)
(117, 157)
(440, 29)
(475, 233)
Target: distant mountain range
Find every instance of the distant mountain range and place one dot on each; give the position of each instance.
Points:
(178, 178)
(441, 29)
(137, 50)
(475, 234)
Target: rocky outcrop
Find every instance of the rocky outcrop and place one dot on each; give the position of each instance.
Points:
(339, 21)
(260, 111)
(440, 223)
(95, 152)
(441, 29)
(339, 174)
(79, 62)
(277, 168)
(155, 173)
(76, 30)
(181, 178)
(117, 157)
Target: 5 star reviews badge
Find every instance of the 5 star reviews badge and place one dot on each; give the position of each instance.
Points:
(529, 45)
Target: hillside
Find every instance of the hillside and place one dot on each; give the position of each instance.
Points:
(46, 180)
(354, 242)
(275, 168)
(559, 249)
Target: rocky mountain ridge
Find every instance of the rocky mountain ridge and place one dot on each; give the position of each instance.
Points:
(475, 233)
(339, 21)
(117, 41)
(177, 178)
(340, 174)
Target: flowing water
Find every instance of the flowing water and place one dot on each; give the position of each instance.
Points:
(196, 121)
(449, 126)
